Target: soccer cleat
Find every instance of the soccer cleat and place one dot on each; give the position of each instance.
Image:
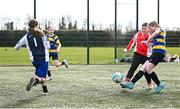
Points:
(159, 87)
(30, 84)
(45, 93)
(65, 63)
(49, 78)
(128, 85)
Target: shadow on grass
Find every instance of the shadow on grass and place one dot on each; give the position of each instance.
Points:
(22, 102)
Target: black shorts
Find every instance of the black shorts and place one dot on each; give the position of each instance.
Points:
(54, 55)
(156, 57)
(139, 58)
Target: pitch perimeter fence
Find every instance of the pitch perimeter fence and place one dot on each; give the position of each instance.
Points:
(78, 38)
(101, 44)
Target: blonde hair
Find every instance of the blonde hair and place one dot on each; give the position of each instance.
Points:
(153, 23)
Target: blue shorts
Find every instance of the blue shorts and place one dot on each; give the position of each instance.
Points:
(41, 68)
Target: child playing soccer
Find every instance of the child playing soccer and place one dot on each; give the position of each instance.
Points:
(157, 56)
(141, 53)
(55, 46)
(37, 45)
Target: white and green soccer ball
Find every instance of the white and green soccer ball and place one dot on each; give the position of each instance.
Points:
(118, 77)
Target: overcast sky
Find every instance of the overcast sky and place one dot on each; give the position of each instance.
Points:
(101, 11)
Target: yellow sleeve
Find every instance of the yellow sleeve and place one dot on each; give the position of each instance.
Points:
(57, 41)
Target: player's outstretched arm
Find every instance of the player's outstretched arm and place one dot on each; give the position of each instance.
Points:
(152, 36)
(20, 43)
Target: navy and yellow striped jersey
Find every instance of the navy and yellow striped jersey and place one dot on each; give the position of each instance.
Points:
(54, 41)
(159, 42)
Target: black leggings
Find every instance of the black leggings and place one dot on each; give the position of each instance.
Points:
(137, 59)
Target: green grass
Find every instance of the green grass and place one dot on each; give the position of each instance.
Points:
(87, 86)
(75, 55)
(173, 50)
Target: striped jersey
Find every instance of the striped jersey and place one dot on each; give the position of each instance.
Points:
(54, 41)
(159, 42)
(37, 47)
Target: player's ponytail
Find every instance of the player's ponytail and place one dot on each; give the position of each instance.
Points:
(35, 31)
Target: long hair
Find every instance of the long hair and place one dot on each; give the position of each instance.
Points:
(153, 23)
(35, 31)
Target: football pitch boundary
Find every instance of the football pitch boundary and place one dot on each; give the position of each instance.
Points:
(74, 55)
(87, 86)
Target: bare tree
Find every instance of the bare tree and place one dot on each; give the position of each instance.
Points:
(63, 23)
(84, 23)
(75, 25)
(70, 26)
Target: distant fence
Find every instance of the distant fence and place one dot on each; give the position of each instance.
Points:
(78, 38)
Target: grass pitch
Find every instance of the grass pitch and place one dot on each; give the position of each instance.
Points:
(87, 86)
(74, 55)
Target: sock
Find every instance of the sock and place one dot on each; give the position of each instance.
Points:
(137, 77)
(49, 73)
(45, 90)
(148, 77)
(155, 78)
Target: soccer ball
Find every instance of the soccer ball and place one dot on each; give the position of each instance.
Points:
(118, 77)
